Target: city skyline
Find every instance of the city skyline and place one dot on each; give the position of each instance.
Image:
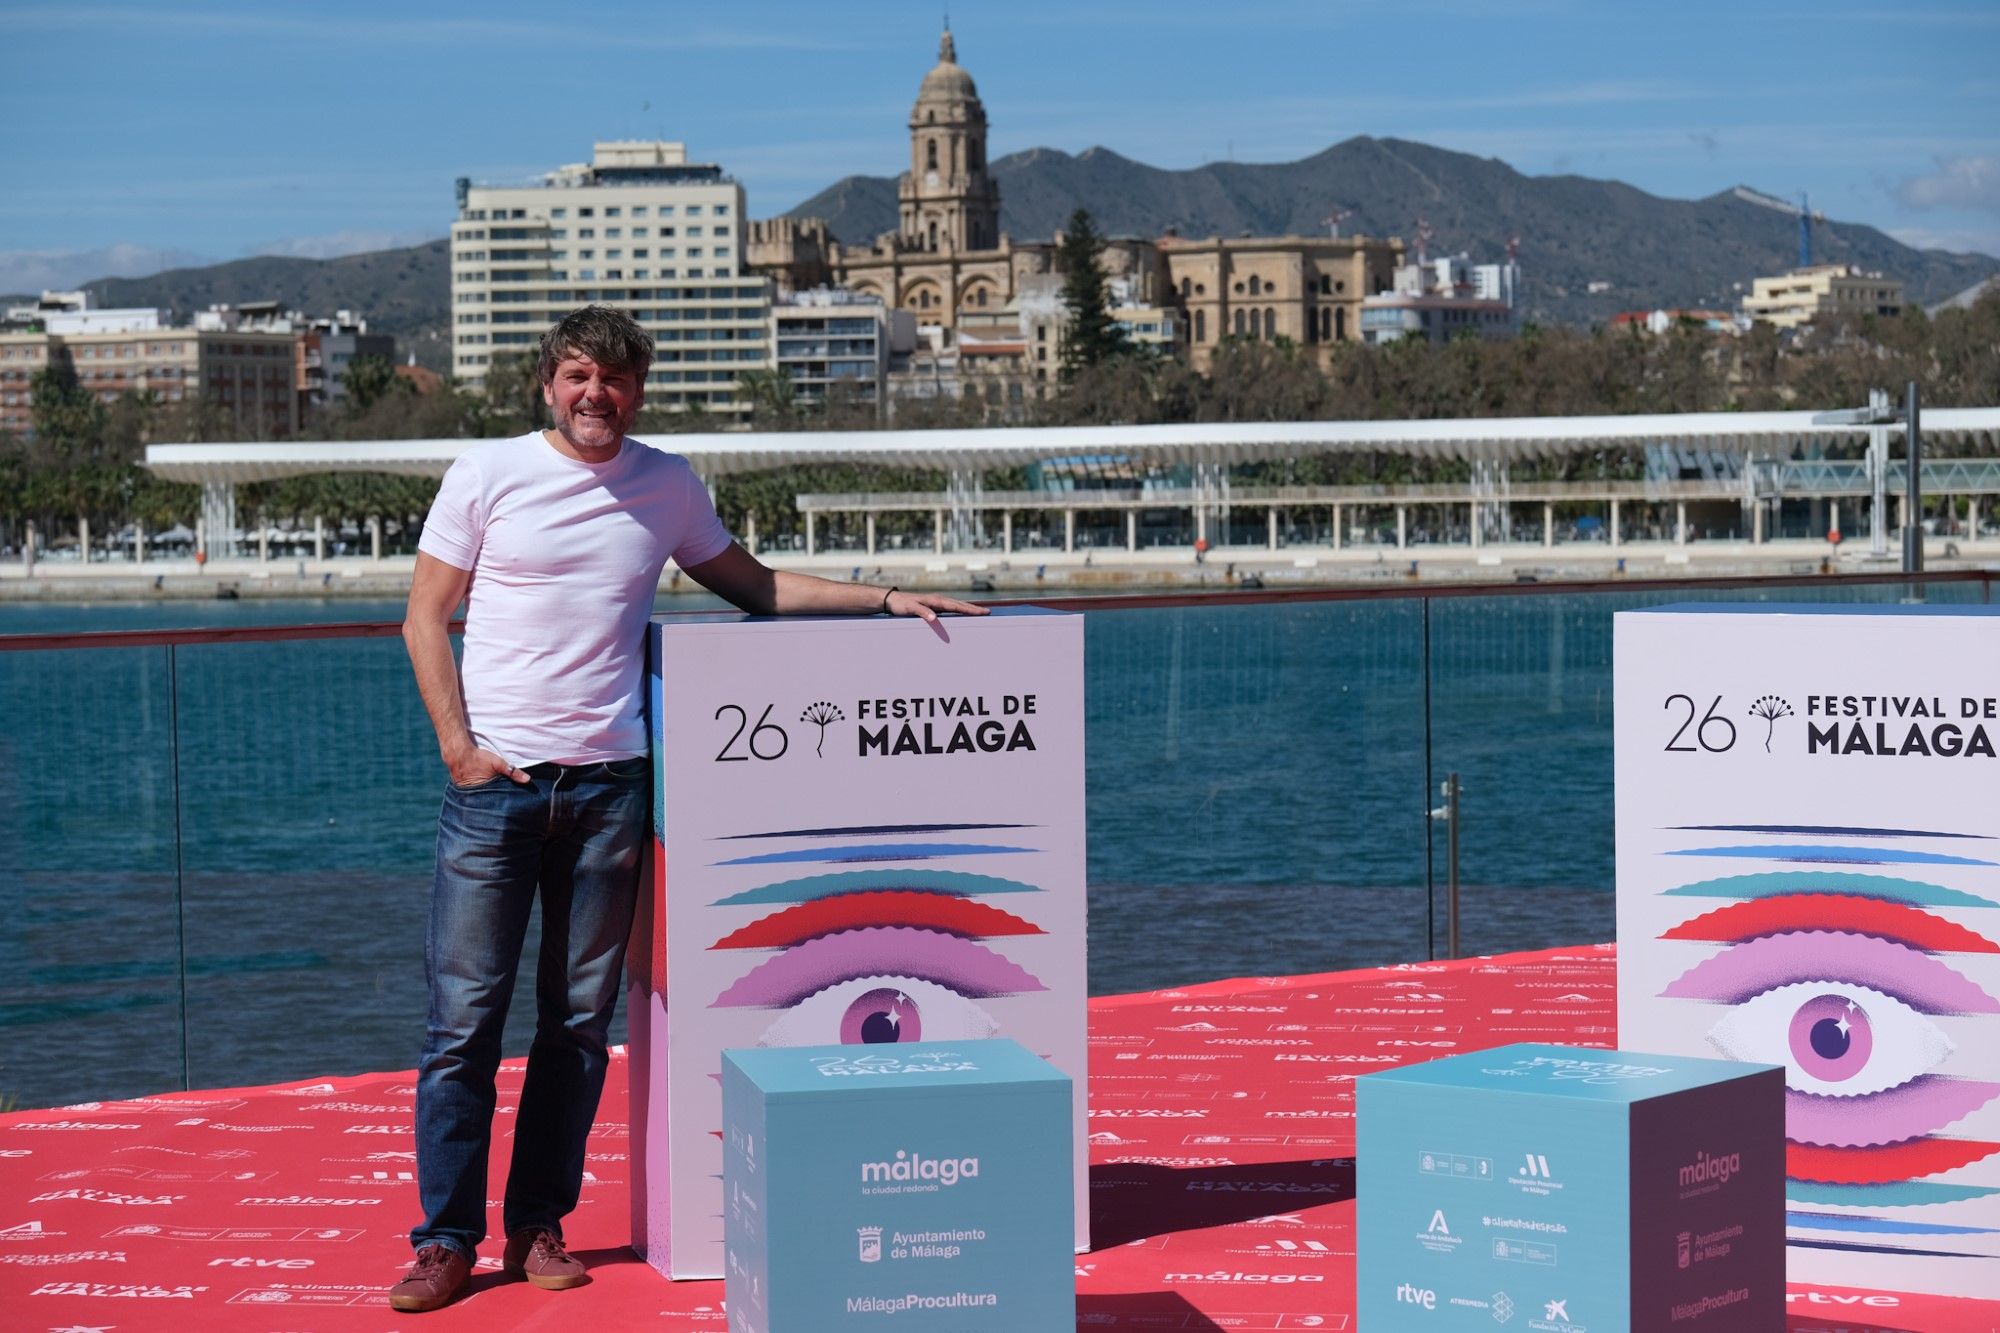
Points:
(1885, 119)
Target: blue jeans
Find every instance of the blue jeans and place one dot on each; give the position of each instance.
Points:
(571, 836)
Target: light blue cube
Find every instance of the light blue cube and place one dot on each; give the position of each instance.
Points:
(928, 1182)
(1564, 1190)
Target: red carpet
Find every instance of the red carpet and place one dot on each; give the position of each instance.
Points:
(1222, 1127)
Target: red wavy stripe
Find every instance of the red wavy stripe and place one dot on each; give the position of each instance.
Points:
(1833, 911)
(881, 907)
(1884, 1165)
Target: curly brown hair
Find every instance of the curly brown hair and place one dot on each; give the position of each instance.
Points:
(611, 338)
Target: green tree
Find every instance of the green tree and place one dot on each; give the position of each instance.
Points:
(68, 418)
(514, 390)
(774, 400)
(369, 379)
(1091, 337)
(13, 489)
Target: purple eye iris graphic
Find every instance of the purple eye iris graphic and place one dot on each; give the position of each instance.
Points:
(1847, 980)
(1834, 1039)
(1831, 1038)
(882, 1015)
(880, 1011)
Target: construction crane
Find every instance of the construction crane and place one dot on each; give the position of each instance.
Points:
(1333, 220)
(1801, 210)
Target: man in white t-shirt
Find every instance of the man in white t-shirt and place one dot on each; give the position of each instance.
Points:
(555, 542)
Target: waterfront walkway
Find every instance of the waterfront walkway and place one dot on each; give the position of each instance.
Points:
(1221, 1170)
(1035, 570)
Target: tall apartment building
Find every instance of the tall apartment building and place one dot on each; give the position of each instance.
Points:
(639, 228)
(1804, 294)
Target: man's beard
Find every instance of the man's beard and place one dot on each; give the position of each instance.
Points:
(575, 426)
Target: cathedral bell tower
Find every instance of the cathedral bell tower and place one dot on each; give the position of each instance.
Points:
(947, 201)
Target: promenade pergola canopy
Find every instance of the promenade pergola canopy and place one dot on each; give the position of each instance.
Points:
(1482, 440)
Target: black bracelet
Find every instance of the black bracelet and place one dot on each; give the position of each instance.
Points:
(885, 602)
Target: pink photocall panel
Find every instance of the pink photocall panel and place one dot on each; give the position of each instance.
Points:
(868, 832)
(1809, 876)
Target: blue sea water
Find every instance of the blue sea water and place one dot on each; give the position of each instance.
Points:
(214, 860)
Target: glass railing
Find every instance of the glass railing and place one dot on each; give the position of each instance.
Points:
(215, 844)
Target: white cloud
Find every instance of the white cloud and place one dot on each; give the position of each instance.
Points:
(335, 244)
(30, 271)
(1971, 182)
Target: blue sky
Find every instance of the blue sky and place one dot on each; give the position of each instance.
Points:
(140, 135)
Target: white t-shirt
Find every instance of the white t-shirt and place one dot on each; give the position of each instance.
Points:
(565, 558)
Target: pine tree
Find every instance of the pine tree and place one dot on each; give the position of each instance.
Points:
(1091, 338)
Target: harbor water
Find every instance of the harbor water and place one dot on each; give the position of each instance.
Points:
(214, 859)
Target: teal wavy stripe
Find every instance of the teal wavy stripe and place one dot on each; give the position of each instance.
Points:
(1771, 884)
(811, 887)
(1897, 1194)
(1832, 855)
(1885, 1226)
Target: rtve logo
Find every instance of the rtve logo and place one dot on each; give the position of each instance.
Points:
(1409, 1295)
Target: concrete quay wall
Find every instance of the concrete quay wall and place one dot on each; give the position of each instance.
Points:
(1029, 572)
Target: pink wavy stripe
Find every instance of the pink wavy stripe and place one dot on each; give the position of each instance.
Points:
(1921, 1106)
(1751, 968)
(892, 951)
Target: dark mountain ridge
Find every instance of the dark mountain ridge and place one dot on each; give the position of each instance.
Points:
(1574, 230)
(405, 292)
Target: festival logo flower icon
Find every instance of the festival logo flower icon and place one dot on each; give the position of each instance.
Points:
(822, 714)
(1770, 707)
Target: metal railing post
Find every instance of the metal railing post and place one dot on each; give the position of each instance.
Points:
(180, 856)
(1913, 516)
(1448, 812)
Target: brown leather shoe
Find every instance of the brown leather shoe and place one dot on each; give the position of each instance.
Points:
(439, 1277)
(537, 1254)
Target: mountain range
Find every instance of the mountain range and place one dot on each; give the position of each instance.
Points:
(1574, 234)
(405, 292)
(1574, 231)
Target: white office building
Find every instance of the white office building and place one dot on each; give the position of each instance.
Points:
(639, 228)
(830, 340)
(1441, 299)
